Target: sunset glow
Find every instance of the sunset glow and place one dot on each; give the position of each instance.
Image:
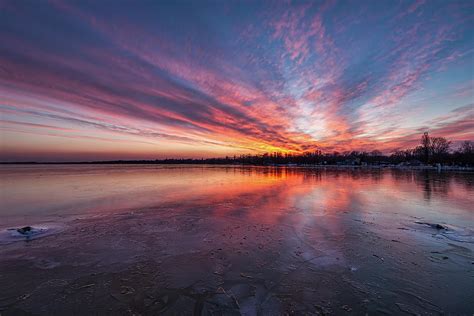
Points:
(88, 80)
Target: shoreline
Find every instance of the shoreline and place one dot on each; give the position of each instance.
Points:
(332, 166)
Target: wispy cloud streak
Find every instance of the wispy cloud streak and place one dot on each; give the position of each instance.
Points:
(227, 79)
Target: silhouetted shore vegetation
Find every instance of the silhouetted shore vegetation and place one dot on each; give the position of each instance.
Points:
(433, 152)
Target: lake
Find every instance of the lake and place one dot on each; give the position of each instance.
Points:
(200, 239)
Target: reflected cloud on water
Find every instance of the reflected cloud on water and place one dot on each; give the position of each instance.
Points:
(240, 239)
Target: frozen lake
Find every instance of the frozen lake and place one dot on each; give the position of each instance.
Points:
(184, 239)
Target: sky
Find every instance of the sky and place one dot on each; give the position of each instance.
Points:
(101, 80)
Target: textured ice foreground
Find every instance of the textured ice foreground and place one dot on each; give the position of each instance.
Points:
(203, 240)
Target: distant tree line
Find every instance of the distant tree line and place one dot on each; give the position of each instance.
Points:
(431, 151)
(437, 150)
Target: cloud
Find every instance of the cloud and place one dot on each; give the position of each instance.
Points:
(282, 77)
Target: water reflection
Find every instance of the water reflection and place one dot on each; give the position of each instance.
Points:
(39, 191)
(211, 239)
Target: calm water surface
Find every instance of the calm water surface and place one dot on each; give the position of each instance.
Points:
(148, 239)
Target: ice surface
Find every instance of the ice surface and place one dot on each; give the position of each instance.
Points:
(243, 241)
